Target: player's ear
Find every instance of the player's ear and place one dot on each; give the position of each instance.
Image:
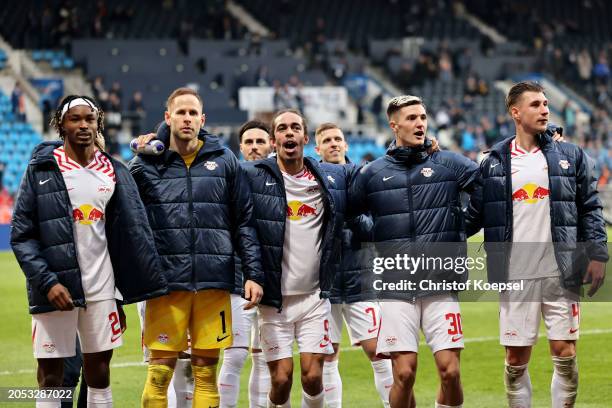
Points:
(203, 120)
(393, 125)
(514, 112)
(306, 138)
(167, 117)
(317, 149)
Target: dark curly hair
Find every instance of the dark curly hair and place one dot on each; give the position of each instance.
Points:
(56, 119)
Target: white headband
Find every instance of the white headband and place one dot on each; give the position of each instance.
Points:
(77, 102)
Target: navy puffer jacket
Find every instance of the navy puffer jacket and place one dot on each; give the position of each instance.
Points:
(270, 213)
(199, 215)
(414, 197)
(43, 240)
(357, 255)
(575, 209)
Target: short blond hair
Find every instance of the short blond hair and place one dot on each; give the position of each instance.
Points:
(323, 127)
(401, 101)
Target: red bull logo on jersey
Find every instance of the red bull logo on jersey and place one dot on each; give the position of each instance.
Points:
(530, 193)
(87, 214)
(297, 210)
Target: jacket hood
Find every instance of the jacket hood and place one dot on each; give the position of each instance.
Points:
(44, 151)
(409, 155)
(211, 142)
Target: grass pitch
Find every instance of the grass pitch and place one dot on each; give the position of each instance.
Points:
(481, 361)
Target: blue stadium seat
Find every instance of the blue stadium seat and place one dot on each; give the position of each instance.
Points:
(68, 63)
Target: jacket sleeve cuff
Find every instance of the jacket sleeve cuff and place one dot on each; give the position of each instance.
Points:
(47, 284)
(598, 252)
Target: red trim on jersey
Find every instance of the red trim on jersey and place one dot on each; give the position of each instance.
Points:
(94, 162)
(64, 162)
(305, 173)
(516, 151)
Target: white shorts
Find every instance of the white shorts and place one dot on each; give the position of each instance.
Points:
(255, 336)
(438, 316)
(520, 312)
(242, 321)
(98, 327)
(142, 307)
(304, 318)
(362, 320)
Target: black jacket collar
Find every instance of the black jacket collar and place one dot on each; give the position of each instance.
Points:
(409, 155)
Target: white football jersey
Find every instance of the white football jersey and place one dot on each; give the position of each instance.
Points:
(301, 249)
(90, 188)
(532, 250)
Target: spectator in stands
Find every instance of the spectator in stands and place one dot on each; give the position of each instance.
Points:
(185, 31)
(443, 117)
(405, 77)
(6, 203)
(98, 86)
(262, 77)
(254, 47)
(445, 66)
(116, 89)
(471, 85)
(463, 64)
(18, 103)
(601, 70)
(483, 87)
(423, 69)
(137, 112)
(569, 118)
(491, 134)
(585, 65)
(46, 27)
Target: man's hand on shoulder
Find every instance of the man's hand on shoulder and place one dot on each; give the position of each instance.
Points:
(435, 146)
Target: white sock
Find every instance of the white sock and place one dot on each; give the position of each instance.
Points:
(313, 401)
(332, 384)
(229, 376)
(286, 404)
(518, 386)
(259, 382)
(182, 384)
(383, 378)
(564, 385)
(171, 393)
(99, 397)
(438, 405)
(49, 404)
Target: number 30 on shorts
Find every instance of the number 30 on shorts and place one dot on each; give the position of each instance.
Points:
(454, 321)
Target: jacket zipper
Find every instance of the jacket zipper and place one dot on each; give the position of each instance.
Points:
(191, 225)
(68, 206)
(411, 212)
(284, 210)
